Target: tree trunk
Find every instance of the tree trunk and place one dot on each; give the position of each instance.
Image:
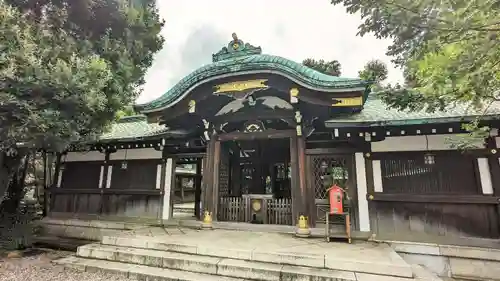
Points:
(8, 166)
(12, 175)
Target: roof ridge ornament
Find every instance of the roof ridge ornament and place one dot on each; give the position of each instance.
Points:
(236, 48)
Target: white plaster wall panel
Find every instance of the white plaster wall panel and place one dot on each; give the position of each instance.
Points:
(135, 154)
(59, 178)
(485, 175)
(83, 156)
(167, 189)
(158, 176)
(108, 179)
(101, 176)
(416, 143)
(364, 216)
(377, 176)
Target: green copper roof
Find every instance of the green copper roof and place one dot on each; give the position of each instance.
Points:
(376, 113)
(133, 127)
(240, 58)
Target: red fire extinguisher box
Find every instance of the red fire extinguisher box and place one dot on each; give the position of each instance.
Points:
(336, 196)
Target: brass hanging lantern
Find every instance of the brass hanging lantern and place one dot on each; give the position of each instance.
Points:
(124, 165)
(429, 158)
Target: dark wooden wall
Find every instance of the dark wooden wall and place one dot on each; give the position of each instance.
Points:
(131, 195)
(436, 202)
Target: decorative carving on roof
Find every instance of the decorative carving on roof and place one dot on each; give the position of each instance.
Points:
(351, 101)
(268, 102)
(241, 86)
(236, 48)
(254, 126)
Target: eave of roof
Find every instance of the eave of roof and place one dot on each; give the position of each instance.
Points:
(249, 60)
(376, 113)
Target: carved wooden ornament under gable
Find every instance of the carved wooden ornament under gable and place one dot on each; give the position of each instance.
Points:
(241, 86)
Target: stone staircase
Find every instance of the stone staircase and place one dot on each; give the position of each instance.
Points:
(143, 258)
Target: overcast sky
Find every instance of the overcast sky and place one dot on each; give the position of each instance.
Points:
(294, 29)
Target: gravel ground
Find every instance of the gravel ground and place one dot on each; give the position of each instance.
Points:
(36, 266)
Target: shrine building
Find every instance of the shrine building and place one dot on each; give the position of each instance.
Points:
(251, 137)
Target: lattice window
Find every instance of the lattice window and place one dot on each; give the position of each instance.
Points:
(408, 173)
(246, 181)
(328, 170)
(224, 167)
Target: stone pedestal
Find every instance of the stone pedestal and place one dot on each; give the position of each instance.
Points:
(303, 232)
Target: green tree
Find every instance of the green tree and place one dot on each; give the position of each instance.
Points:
(329, 68)
(374, 70)
(447, 48)
(66, 68)
(125, 111)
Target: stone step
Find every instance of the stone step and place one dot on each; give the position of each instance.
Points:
(211, 265)
(61, 243)
(138, 272)
(398, 267)
(183, 210)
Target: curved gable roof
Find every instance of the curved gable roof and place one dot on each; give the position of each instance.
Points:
(240, 58)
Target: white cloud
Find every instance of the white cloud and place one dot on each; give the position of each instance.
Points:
(296, 30)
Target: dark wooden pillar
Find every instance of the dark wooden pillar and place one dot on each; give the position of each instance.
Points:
(301, 157)
(494, 165)
(208, 178)
(181, 186)
(162, 183)
(103, 202)
(197, 189)
(216, 172)
(310, 192)
(295, 182)
(494, 170)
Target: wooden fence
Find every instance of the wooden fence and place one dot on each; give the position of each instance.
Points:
(232, 209)
(279, 211)
(238, 209)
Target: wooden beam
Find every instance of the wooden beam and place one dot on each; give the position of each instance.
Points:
(437, 198)
(271, 134)
(475, 153)
(105, 191)
(333, 150)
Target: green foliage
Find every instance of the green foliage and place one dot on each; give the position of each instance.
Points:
(448, 49)
(67, 66)
(126, 111)
(330, 68)
(374, 70)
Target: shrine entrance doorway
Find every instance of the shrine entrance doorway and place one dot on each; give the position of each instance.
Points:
(264, 168)
(254, 180)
